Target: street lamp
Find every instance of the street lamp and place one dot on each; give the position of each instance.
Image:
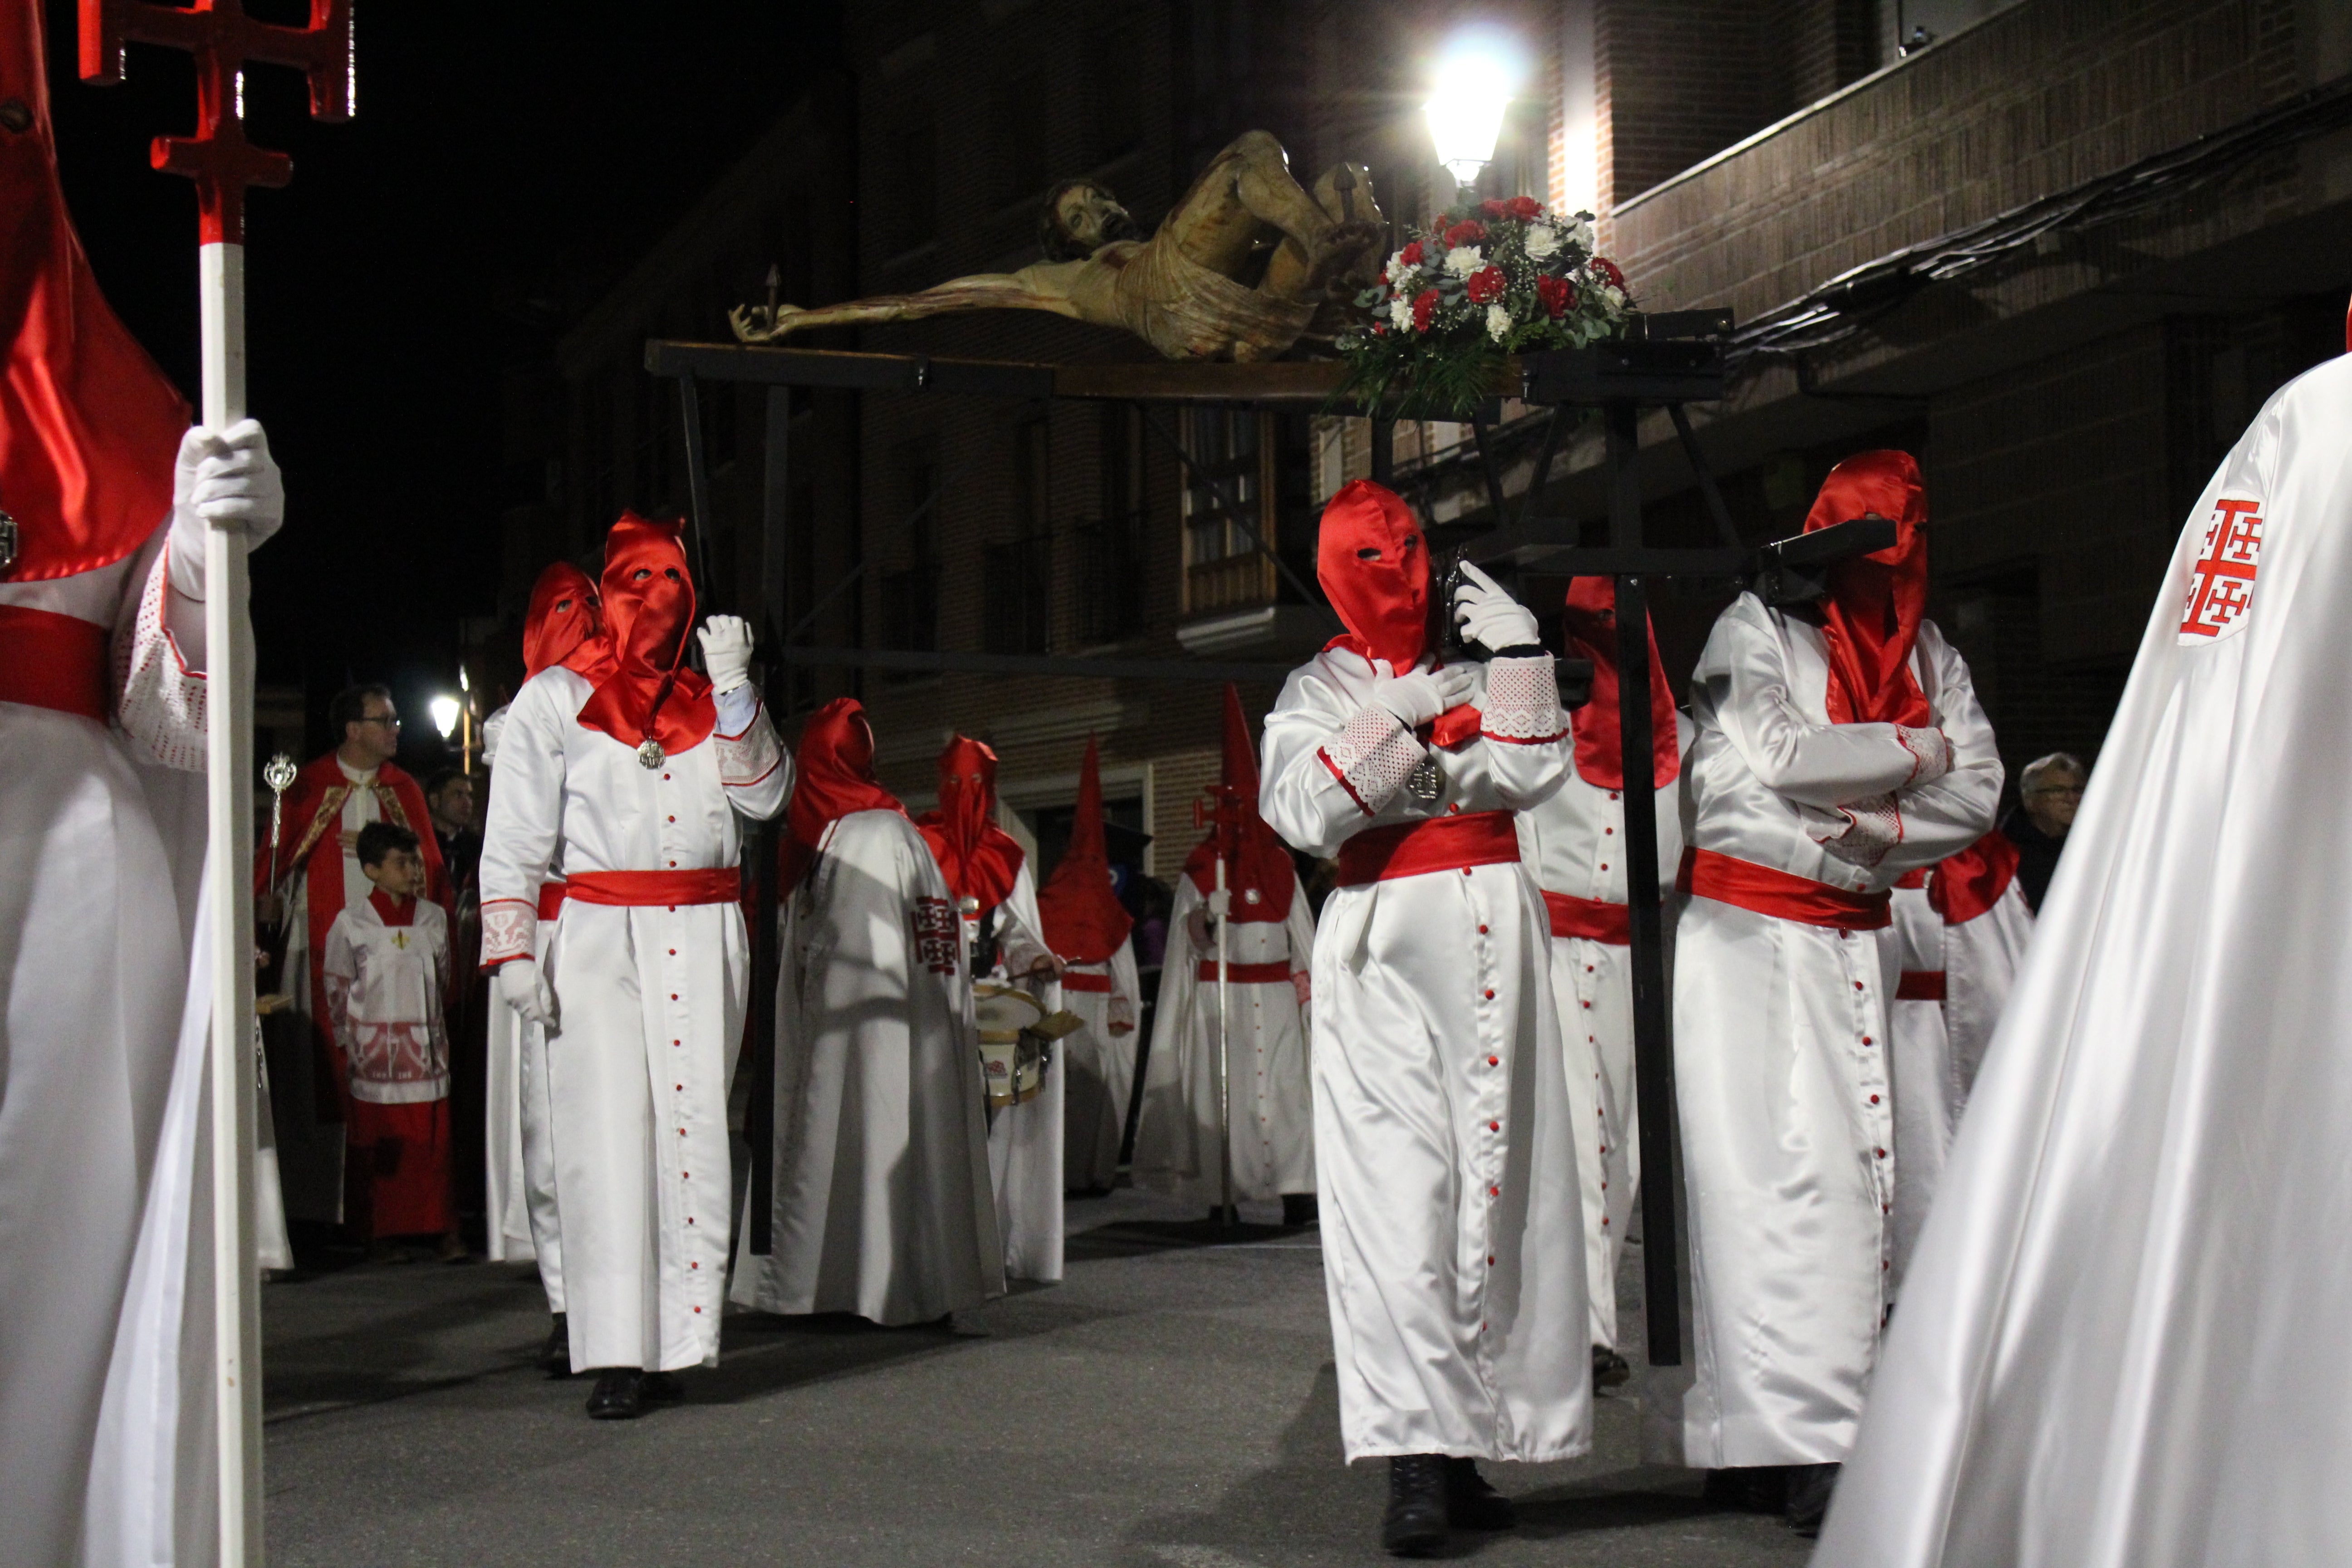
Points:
(1476, 78)
(445, 711)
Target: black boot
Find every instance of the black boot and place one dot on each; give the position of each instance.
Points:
(1750, 1488)
(1471, 1503)
(619, 1395)
(555, 1358)
(1808, 1497)
(1299, 1209)
(1414, 1525)
(1610, 1370)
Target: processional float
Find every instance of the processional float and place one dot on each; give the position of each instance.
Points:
(223, 163)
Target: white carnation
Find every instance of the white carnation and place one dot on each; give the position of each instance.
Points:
(1543, 240)
(1465, 260)
(1580, 235)
(1401, 314)
(1613, 298)
(1498, 322)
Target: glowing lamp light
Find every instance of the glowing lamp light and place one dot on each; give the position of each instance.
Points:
(1476, 79)
(445, 711)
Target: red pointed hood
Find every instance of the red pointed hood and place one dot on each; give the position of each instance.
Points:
(1371, 558)
(1875, 601)
(1262, 876)
(1591, 626)
(88, 425)
(649, 607)
(1083, 919)
(564, 624)
(979, 859)
(833, 777)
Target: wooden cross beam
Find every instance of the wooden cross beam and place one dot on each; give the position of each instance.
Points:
(224, 40)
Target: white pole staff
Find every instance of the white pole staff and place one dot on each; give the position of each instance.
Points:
(223, 163)
(1220, 904)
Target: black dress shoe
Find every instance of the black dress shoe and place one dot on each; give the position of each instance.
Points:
(1809, 1486)
(1750, 1488)
(1471, 1503)
(662, 1386)
(1299, 1209)
(619, 1395)
(1414, 1525)
(1610, 1370)
(555, 1358)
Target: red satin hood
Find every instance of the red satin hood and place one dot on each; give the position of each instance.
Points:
(1371, 558)
(979, 859)
(1871, 614)
(834, 777)
(1083, 919)
(1591, 626)
(564, 624)
(1260, 865)
(89, 426)
(648, 608)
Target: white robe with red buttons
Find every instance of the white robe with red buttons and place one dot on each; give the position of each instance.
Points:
(1099, 1070)
(1026, 1141)
(1574, 843)
(1781, 1051)
(650, 1008)
(1176, 1139)
(1453, 1232)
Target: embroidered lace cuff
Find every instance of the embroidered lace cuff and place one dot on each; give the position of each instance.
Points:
(1522, 703)
(1371, 757)
(1931, 754)
(1873, 826)
(509, 930)
(752, 754)
(161, 702)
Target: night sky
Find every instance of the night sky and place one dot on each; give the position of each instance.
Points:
(507, 162)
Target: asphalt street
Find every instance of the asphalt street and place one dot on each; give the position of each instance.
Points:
(1169, 1403)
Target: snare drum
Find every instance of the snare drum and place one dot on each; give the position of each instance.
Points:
(1012, 1059)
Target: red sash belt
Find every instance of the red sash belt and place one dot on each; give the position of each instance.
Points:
(1920, 985)
(1595, 920)
(1079, 980)
(636, 890)
(49, 660)
(1780, 894)
(1417, 848)
(550, 899)
(1275, 974)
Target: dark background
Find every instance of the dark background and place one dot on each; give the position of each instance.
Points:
(506, 162)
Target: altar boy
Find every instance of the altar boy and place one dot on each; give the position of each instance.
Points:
(387, 962)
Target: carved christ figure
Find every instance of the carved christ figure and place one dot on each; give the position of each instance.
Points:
(1237, 271)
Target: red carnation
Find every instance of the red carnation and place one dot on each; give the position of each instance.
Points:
(1486, 285)
(1424, 305)
(1469, 231)
(1607, 270)
(1411, 254)
(1380, 329)
(1493, 208)
(1558, 294)
(1523, 207)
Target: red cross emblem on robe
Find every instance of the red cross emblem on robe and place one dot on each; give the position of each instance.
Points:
(936, 935)
(2222, 579)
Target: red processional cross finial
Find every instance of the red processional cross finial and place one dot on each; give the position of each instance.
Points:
(224, 40)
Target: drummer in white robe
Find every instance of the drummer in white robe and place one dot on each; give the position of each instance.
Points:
(2120, 1347)
(1085, 925)
(1452, 1226)
(103, 663)
(882, 1201)
(1838, 746)
(1962, 928)
(1574, 842)
(564, 626)
(640, 782)
(1269, 951)
(988, 876)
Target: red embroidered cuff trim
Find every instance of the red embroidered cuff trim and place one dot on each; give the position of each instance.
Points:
(1524, 740)
(1325, 758)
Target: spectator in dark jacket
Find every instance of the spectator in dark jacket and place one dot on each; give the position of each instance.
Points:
(2050, 791)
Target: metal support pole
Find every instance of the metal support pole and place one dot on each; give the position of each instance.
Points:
(698, 487)
(767, 958)
(1225, 505)
(1706, 485)
(1654, 1065)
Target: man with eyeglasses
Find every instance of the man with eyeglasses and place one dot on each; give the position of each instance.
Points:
(314, 876)
(2050, 791)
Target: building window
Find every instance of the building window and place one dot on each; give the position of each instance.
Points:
(1017, 578)
(1232, 450)
(1108, 587)
(910, 596)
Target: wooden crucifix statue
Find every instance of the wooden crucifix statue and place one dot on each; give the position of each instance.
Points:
(1239, 269)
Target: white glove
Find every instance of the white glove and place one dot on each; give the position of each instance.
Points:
(226, 479)
(1418, 698)
(1490, 617)
(725, 651)
(523, 988)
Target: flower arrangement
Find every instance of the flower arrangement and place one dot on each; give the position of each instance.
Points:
(1487, 282)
